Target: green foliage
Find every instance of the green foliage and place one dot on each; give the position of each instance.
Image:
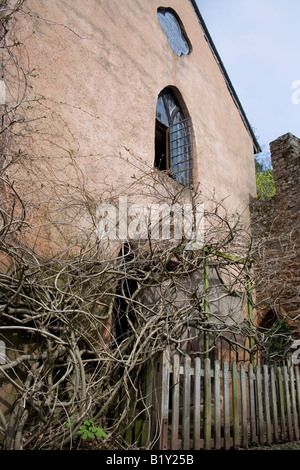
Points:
(265, 183)
(88, 430)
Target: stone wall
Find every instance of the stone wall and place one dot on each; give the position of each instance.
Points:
(276, 232)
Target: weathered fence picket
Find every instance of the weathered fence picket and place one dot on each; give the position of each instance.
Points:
(226, 407)
(186, 403)
(217, 402)
(206, 405)
(281, 404)
(251, 380)
(288, 403)
(267, 404)
(294, 406)
(244, 407)
(175, 403)
(274, 405)
(197, 403)
(259, 400)
(298, 389)
(235, 406)
(164, 383)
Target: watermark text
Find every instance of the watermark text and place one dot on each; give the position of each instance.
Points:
(296, 94)
(156, 221)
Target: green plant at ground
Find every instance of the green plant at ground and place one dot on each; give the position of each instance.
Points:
(89, 431)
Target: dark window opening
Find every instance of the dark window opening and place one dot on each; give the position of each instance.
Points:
(173, 139)
(269, 319)
(161, 136)
(124, 315)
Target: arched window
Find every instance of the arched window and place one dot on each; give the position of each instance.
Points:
(173, 139)
(170, 23)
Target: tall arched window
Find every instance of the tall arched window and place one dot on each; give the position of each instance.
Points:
(173, 139)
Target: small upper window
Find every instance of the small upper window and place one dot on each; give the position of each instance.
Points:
(173, 30)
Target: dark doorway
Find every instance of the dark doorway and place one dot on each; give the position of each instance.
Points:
(124, 315)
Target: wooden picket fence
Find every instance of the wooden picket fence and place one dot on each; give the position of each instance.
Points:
(198, 404)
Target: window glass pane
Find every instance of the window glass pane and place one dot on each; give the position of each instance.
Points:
(181, 150)
(178, 117)
(161, 113)
(170, 103)
(173, 31)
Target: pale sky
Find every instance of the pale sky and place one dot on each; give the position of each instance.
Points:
(259, 44)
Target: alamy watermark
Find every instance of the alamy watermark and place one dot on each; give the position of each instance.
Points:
(296, 94)
(296, 354)
(2, 92)
(125, 221)
(2, 353)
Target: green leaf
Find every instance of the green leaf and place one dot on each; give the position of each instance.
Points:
(100, 433)
(85, 433)
(88, 423)
(89, 434)
(88, 431)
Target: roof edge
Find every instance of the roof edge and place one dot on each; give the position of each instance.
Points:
(230, 87)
